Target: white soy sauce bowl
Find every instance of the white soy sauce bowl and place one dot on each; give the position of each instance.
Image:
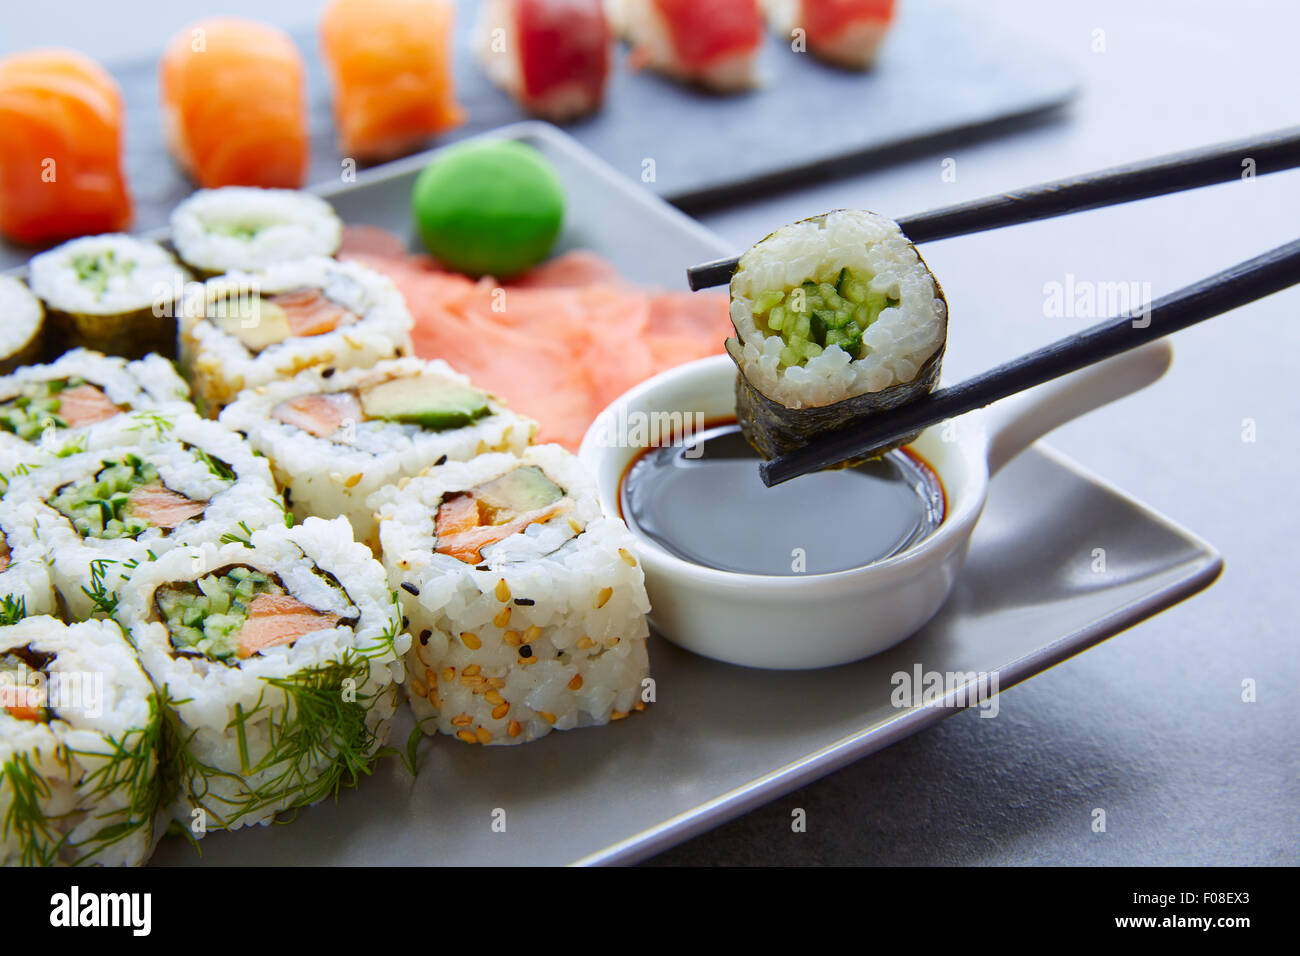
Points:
(800, 622)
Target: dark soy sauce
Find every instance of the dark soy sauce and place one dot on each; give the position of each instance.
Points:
(713, 509)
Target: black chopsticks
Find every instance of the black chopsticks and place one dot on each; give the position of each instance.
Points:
(1270, 153)
(1227, 290)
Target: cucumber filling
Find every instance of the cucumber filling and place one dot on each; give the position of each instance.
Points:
(206, 616)
(96, 271)
(816, 315)
(35, 408)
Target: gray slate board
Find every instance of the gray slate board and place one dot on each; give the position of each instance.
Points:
(942, 70)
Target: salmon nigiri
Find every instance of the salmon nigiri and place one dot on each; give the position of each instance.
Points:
(234, 106)
(61, 149)
(552, 56)
(390, 66)
(846, 33)
(713, 43)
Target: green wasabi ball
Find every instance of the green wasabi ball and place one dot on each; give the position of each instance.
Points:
(489, 208)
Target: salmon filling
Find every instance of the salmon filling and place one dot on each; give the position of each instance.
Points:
(60, 404)
(235, 614)
(310, 312)
(320, 415)
(472, 520)
(4, 554)
(22, 675)
(122, 500)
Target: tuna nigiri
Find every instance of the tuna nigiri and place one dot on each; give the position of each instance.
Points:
(390, 66)
(61, 148)
(846, 33)
(714, 43)
(234, 107)
(550, 55)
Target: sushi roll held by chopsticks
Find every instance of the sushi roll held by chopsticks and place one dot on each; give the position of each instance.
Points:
(526, 603)
(278, 658)
(836, 317)
(80, 727)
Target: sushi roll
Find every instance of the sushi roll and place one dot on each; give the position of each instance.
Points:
(552, 56)
(835, 317)
(335, 437)
(390, 65)
(246, 329)
(711, 43)
(234, 104)
(21, 321)
(845, 33)
(99, 513)
(114, 293)
(277, 658)
(61, 153)
(85, 400)
(80, 727)
(25, 585)
(526, 602)
(243, 228)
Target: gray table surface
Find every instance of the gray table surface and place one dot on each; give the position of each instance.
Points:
(1150, 726)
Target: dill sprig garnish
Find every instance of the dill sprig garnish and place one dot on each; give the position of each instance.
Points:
(246, 539)
(215, 465)
(103, 601)
(12, 609)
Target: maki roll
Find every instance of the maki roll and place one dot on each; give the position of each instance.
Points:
(245, 228)
(234, 105)
(114, 293)
(99, 513)
(80, 727)
(390, 65)
(61, 169)
(845, 33)
(835, 317)
(335, 437)
(25, 585)
(526, 603)
(21, 321)
(85, 400)
(277, 658)
(246, 329)
(552, 56)
(712, 43)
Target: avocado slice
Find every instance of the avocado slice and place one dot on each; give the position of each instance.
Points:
(256, 322)
(425, 400)
(525, 489)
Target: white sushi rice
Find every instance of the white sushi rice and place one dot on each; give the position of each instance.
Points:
(85, 568)
(93, 768)
(569, 591)
(231, 779)
(221, 366)
(898, 343)
(334, 476)
(145, 277)
(25, 579)
(21, 318)
(246, 228)
(641, 24)
(150, 383)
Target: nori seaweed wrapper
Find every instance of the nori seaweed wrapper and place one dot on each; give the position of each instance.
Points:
(773, 429)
